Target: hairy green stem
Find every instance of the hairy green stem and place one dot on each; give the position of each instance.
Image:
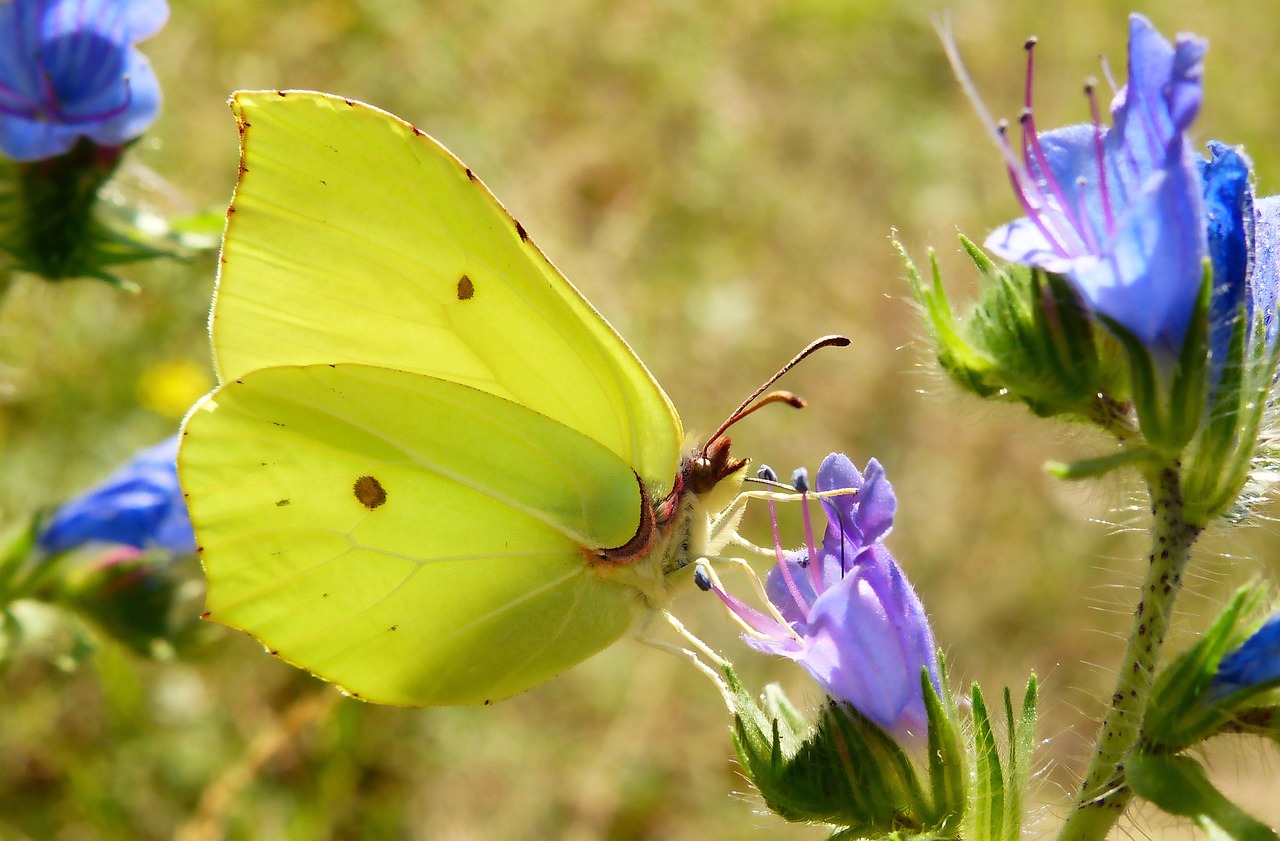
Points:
(1104, 792)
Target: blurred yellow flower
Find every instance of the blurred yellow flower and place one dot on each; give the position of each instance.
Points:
(171, 386)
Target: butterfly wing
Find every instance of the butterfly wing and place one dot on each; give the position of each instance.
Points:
(353, 237)
(414, 540)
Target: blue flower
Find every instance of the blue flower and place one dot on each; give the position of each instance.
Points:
(1120, 210)
(1255, 662)
(140, 505)
(68, 69)
(849, 615)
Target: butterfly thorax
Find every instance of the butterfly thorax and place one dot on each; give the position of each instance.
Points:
(674, 531)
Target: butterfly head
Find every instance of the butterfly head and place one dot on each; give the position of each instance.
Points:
(712, 475)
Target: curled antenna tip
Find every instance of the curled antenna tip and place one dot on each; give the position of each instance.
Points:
(793, 400)
(755, 401)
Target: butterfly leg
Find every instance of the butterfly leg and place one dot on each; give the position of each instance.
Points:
(724, 525)
(712, 670)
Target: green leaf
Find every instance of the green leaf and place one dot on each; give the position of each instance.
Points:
(1091, 467)
(1179, 786)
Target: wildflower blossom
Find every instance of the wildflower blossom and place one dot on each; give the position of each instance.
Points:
(848, 614)
(69, 69)
(1119, 210)
(140, 505)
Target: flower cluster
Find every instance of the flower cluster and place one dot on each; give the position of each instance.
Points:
(69, 69)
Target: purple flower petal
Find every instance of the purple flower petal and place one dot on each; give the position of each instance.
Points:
(1229, 225)
(868, 640)
(1159, 102)
(866, 516)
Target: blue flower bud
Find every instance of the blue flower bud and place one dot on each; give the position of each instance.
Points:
(1255, 664)
(140, 505)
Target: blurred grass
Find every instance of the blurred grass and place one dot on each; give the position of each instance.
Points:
(721, 180)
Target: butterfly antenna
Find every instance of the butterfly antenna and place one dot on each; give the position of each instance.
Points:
(755, 401)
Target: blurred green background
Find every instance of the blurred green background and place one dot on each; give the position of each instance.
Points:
(722, 180)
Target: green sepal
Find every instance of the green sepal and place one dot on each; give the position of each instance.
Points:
(1218, 467)
(948, 775)
(1144, 385)
(963, 362)
(1184, 708)
(847, 772)
(1263, 721)
(52, 222)
(148, 602)
(1030, 338)
(1188, 389)
(17, 544)
(1179, 786)
(999, 783)
(1022, 742)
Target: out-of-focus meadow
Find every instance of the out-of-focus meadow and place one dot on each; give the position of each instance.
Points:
(722, 180)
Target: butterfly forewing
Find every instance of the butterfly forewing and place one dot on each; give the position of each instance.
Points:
(355, 238)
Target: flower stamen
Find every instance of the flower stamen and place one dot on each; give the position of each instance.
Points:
(1032, 149)
(783, 566)
(760, 592)
(1095, 118)
(754, 624)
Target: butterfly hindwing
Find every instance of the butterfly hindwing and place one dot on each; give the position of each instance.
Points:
(412, 539)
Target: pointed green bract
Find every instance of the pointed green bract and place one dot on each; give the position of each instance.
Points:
(425, 439)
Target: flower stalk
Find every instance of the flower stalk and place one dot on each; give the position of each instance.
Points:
(1105, 791)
